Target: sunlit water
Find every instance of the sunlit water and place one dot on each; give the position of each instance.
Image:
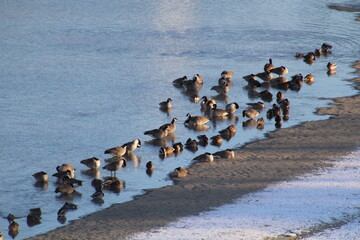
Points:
(79, 77)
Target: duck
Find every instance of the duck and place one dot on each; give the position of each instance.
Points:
(250, 113)
(67, 180)
(257, 106)
(65, 188)
(179, 81)
(149, 165)
(227, 74)
(191, 144)
(280, 70)
(227, 153)
(279, 96)
(326, 48)
(132, 145)
(203, 140)
(196, 120)
(268, 66)
(178, 147)
(41, 177)
(309, 57)
(98, 195)
(179, 172)
(266, 95)
(171, 125)
(166, 104)
(318, 52)
(260, 121)
(217, 112)
(221, 89)
(10, 217)
(231, 107)
(13, 226)
(205, 157)
(114, 166)
(117, 151)
(216, 140)
(309, 79)
(92, 163)
(64, 167)
(158, 133)
(299, 55)
(166, 151)
(331, 66)
(229, 131)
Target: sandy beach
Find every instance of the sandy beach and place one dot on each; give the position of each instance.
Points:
(283, 155)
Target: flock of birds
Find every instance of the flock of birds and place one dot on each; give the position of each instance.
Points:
(65, 173)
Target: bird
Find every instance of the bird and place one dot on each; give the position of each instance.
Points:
(178, 147)
(228, 132)
(10, 217)
(268, 66)
(266, 95)
(13, 226)
(198, 78)
(158, 133)
(171, 125)
(318, 52)
(149, 165)
(203, 140)
(205, 157)
(279, 96)
(309, 57)
(216, 140)
(309, 79)
(166, 151)
(326, 48)
(196, 120)
(65, 173)
(299, 55)
(231, 107)
(227, 74)
(207, 104)
(166, 104)
(98, 195)
(114, 166)
(117, 151)
(132, 145)
(217, 112)
(257, 106)
(41, 177)
(179, 81)
(67, 180)
(64, 167)
(228, 153)
(65, 188)
(179, 172)
(331, 66)
(249, 77)
(222, 89)
(280, 70)
(266, 76)
(191, 144)
(250, 113)
(92, 163)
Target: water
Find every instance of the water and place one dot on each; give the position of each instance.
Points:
(80, 77)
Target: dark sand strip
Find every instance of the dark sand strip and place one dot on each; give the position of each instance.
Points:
(283, 155)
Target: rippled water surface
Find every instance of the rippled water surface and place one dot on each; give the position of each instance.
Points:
(79, 77)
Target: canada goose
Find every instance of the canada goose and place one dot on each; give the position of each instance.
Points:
(70, 206)
(132, 145)
(222, 81)
(194, 97)
(65, 173)
(228, 153)
(253, 83)
(33, 218)
(231, 107)
(198, 79)
(158, 133)
(266, 95)
(13, 226)
(64, 167)
(331, 66)
(98, 195)
(273, 112)
(217, 112)
(280, 70)
(266, 76)
(249, 77)
(203, 140)
(41, 176)
(65, 188)
(309, 79)
(179, 81)
(207, 104)
(257, 106)
(194, 84)
(216, 140)
(92, 163)
(250, 113)
(171, 125)
(178, 147)
(205, 157)
(1, 236)
(268, 66)
(222, 89)
(117, 151)
(227, 74)
(295, 84)
(114, 166)
(179, 173)
(166, 151)
(196, 120)
(67, 180)
(166, 104)
(191, 144)
(249, 123)
(62, 211)
(228, 132)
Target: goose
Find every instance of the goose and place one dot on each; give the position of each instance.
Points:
(309, 79)
(216, 140)
(166, 104)
(207, 104)
(132, 145)
(222, 81)
(250, 113)
(179, 173)
(64, 167)
(158, 133)
(196, 120)
(222, 89)
(266, 76)
(92, 163)
(198, 79)
(309, 57)
(268, 66)
(228, 153)
(231, 107)
(280, 70)
(229, 131)
(41, 177)
(331, 66)
(253, 83)
(260, 121)
(227, 74)
(257, 106)
(65, 188)
(65, 173)
(217, 112)
(194, 84)
(205, 157)
(249, 77)
(114, 166)
(171, 125)
(117, 151)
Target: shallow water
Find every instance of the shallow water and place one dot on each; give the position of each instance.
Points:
(78, 78)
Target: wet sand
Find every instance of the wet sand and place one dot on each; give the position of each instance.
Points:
(284, 154)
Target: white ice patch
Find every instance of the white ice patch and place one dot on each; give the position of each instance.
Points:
(286, 208)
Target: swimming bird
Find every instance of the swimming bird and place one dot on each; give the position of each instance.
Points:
(231, 107)
(250, 113)
(196, 120)
(228, 153)
(158, 133)
(309, 79)
(117, 151)
(326, 48)
(217, 112)
(98, 195)
(331, 66)
(64, 167)
(249, 77)
(166, 151)
(132, 145)
(178, 147)
(216, 140)
(179, 173)
(171, 125)
(10, 217)
(268, 66)
(114, 166)
(227, 74)
(279, 96)
(67, 180)
(92, 163)
(266, 95)
(13, 226)
(41, 177)
(203, 140)
(65, 188)
(309, 57)
(266, 76)
(299, 55)
(228, 132)
(191, 144)
(149, 165)
(318, 52)
(257, 106)
(166, 104)
(65, 173)
(222, 89)
(207, 104)
(179, 81)
(205, 157)
(280, 70)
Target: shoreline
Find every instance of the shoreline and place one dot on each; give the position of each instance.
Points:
(284, 154)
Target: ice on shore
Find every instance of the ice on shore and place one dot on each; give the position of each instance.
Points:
(324, 205)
